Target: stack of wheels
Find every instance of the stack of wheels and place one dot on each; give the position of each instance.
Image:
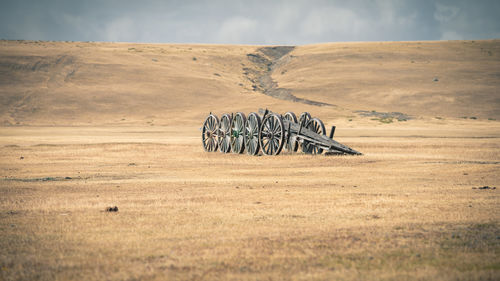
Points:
(237, 133)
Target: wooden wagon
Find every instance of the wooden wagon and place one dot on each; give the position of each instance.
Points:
(269, 132)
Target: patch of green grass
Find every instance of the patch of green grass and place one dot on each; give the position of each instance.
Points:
(36, 179)
(439, 118)
(492, 119)
(483, 226)
(385, 120)
(495, 266)
(473, 117)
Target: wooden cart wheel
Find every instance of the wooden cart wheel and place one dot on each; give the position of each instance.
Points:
(237, 132)
(251, 135)
(224, 137)
(209, 133)
(291, 144)
(317, 126)
(304, 118)
(272, 134)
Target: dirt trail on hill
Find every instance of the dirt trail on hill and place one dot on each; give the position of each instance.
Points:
(264, 62)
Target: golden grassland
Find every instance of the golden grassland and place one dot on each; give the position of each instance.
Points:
(404, 210)
(93, 125)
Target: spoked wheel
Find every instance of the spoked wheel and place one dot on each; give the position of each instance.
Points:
(291, 144)
(209, 134)
(317, 126)
(224, 137)
(304, 118)
(237, 133)
(251, 135)
(272, 134)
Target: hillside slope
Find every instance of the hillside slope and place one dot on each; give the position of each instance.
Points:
(448, 78)
(101, 83)
(79, 83)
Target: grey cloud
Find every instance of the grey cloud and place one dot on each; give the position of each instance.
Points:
(236, 29)
(445, 13)
(249, 22)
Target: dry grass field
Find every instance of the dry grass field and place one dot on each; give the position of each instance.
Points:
(87, 126)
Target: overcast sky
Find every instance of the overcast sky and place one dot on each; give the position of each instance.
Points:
(249, 22)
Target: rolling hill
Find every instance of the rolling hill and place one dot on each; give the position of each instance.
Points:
(88, 83)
